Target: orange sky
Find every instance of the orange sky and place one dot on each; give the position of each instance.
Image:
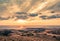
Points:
(34, 22)
(29, 8)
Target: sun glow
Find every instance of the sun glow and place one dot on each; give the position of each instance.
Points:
(22, 22)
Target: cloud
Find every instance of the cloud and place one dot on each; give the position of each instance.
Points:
(33, 14)
(21, 17)
(55, 7)
(43, 17)
(2, 8)
(4, 1)
(50, 17)
(1, 18)
(7, 17)
(21, 13)
(54, 16)
(12, 9)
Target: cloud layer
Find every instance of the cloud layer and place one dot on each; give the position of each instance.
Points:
(9, 9)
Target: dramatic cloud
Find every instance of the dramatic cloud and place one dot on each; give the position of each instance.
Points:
(33, 14)
(21, 13)
(55, 7)
(43, 17)
(50, 17)
(21, 17)
(54, 16)
(1, 18)
(18, 9)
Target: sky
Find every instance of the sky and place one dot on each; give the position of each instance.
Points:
(29, 12)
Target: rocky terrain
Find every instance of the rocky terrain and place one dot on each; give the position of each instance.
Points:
(30, 34)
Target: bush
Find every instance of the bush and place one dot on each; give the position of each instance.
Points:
(5, 32)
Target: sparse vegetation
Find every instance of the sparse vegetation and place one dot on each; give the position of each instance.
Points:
(22, 35)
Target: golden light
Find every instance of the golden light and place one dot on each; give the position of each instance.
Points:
(22, 22)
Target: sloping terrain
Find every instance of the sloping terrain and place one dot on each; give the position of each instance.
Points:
(30, 35)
